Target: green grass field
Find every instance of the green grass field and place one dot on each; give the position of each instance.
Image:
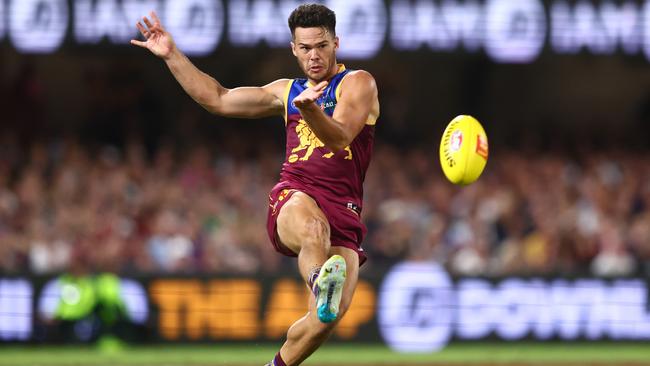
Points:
(339, 355)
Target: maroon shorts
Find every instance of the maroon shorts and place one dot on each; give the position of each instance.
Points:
(346, 228)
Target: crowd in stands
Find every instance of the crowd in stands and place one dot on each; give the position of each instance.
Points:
(199, 210)
(102, 199)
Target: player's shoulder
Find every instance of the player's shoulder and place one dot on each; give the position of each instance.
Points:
(360, 80)
(278, 84)
(277, 87)
(361, 75)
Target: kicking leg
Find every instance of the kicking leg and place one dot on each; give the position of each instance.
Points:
(303, 228)
(308, 333)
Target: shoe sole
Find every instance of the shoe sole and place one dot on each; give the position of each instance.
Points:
(330, 288)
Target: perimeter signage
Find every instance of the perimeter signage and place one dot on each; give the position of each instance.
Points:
(15, 309)
(507, 31)
(415, 307)
(234, 309)
(421, 309)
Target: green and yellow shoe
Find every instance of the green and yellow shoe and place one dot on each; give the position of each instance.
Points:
(328, 288)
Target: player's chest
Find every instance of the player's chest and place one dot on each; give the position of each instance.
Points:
(327, 102)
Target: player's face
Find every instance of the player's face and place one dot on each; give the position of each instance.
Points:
(315, 48)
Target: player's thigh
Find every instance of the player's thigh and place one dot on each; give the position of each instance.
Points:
(300, 222)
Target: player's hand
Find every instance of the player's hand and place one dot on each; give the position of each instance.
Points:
(157, 40)
(310, 95)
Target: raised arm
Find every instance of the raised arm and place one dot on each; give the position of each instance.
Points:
(357, 105)
(244, 102)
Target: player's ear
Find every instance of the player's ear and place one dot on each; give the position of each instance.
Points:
(293, 49)
(336, 43)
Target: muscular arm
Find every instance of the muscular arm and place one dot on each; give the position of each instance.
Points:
(358, 103)
(247, 102)
(243, 102)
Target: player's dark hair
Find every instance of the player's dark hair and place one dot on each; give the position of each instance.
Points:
(312, 15)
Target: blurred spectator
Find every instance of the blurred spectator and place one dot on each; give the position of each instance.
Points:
(198, 210)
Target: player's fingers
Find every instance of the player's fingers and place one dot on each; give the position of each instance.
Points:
(144, 32)
(139, 43)
(147, 22)
(303, 100)
(300, 100)
(320, 86)
(155, 18)
(318, 93)
(309, 96)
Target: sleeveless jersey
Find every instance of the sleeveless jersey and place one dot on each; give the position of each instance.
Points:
(310, 165)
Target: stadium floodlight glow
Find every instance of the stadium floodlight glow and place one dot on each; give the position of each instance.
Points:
(37, 26)
(196, 25)
(361, 26)
(515, 30)
(15, 309)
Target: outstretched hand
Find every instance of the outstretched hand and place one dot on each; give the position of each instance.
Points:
(157, 40)
(310, 95)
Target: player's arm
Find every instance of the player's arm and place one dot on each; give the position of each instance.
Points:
(242, 102)
(357, 104)
(245, 102)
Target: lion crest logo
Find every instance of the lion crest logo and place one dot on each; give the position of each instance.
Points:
(308, 143)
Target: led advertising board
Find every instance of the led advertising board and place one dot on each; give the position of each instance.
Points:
(507, 31)
(414, 307)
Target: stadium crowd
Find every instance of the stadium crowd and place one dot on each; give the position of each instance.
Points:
(198, 210)
(88, 193)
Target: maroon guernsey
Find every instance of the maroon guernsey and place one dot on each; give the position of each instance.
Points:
(334, 180)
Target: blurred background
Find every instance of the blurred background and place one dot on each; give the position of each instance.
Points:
(107, 167)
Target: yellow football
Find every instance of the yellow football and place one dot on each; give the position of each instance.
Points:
(463, 150)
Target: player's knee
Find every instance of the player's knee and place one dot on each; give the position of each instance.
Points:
(316, 232)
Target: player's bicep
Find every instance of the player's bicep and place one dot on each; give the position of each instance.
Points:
(251, 102)
(355, 107)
